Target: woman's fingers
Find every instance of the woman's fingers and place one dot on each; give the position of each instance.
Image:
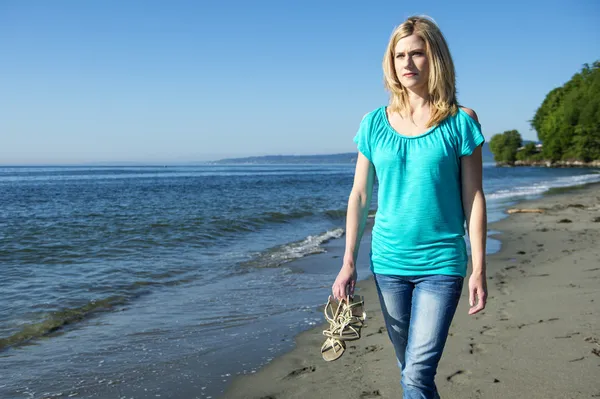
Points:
(341, 289)
(477, 299)
(337, 290)
(344, 283)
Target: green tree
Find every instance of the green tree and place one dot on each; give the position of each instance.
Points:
(568, 121)
(528, 152)
(504, 146)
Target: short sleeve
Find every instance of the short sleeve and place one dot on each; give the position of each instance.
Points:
(363, 137)
(469, 134)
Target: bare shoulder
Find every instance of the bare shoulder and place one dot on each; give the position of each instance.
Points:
(470, 112)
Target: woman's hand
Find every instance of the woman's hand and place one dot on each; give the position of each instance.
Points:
(477, 292)
(345, 281)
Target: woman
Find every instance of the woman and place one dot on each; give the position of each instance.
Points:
(426, 153)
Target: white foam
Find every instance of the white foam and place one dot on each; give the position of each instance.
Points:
(295, 250)
(543, 186)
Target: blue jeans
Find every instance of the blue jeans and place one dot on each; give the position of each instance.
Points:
(418, 312)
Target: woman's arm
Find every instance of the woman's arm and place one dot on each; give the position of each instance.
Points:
(473, 200)
(356, 218)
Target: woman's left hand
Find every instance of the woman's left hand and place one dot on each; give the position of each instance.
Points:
(477, 292)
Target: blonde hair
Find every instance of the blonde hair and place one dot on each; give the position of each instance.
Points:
(442, 78)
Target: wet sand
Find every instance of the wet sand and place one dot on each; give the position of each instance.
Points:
(539, 336)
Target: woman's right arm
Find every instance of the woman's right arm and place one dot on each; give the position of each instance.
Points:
(356, 219)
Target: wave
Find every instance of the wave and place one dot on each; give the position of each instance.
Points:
(250, 224)
(341, 213)
(335, 213)
(279, 255)
(279, 217)
(58, 320)
(543, 186)
(138, 235)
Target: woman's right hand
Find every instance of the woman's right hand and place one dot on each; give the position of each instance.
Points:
(345, 281)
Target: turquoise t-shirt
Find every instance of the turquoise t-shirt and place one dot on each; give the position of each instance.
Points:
(419, 224)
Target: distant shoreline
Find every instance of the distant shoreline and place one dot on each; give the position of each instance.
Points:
(550, 164)
(343, 158)
(346, 158)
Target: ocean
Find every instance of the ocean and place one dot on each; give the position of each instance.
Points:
(121, 281)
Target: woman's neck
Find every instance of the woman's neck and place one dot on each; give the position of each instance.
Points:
(419, 104)
(418, 100)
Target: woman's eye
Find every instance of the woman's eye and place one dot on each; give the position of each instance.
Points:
(399, 55)
(417, 53)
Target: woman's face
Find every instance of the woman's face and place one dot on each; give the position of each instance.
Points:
(411, 63)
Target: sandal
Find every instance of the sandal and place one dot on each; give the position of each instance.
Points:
(346, 319)
(332, 349)
(332, 309)
(357, 304)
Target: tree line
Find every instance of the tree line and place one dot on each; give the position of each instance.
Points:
(567, 124)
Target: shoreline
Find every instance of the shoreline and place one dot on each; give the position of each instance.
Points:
(526, 343)
(551, 164)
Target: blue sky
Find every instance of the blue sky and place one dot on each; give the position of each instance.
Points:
(178, 81)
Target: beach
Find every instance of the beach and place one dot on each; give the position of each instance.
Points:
(115, 291)
(539, 336)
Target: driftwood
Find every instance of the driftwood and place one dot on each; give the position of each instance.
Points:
(525, 210)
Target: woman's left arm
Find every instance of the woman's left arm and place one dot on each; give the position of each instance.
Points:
(473, 201)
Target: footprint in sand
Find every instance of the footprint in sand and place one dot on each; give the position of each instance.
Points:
(503, 315)
(476, 348)
(302, 371)
(370, 394)
(488, 331)
(594, 341)
(567, 336)
(510, 304)
(381, 330)
(367, 349)
(459, 377)
(373, 348)
(538, 322)
(538, 275)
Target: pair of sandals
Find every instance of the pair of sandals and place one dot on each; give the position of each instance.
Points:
(346, 319)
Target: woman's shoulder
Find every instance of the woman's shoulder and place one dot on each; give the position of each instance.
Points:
(468, 111)
(374, 114)
(464, 119)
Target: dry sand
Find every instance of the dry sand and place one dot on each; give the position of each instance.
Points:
(539, 336)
